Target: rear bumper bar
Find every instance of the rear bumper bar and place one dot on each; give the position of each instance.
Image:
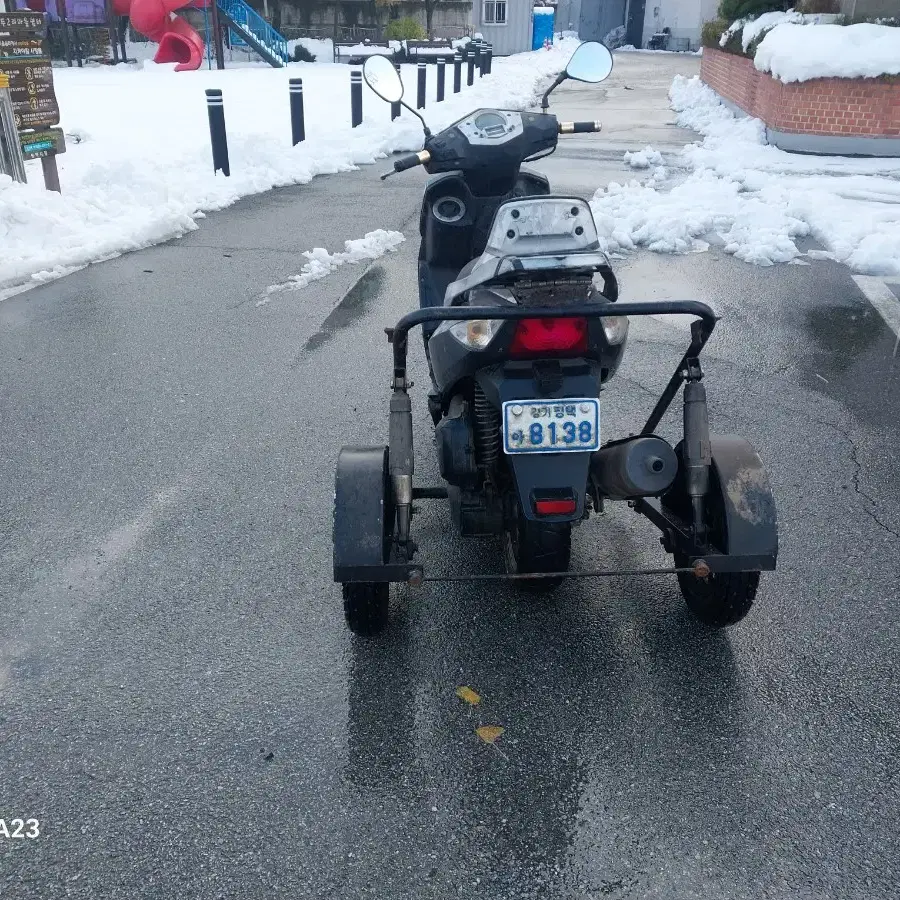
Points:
(701, 329)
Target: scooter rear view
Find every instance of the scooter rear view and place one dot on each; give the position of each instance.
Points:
(526, 335)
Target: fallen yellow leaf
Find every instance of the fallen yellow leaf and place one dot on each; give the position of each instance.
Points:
(489, 733)
(467, 694)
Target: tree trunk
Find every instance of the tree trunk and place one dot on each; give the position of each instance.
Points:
(429, 15)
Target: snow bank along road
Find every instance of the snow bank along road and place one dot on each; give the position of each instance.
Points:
(183, 711)
(138, 169)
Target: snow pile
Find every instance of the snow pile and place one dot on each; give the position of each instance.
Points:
(798, 53)
(543, 10)
(759, 200)
(322, 263)
(369, 49)
(322, 49)
(751, 28)
(643, 159)
(145, 175)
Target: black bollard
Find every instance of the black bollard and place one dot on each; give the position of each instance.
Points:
(295, 93)
(395, 107)
(423, 78)
(470, 68)
(457, 71)
(489, 58)
(356, 98)
(215, 107)
(441, 62)
(479, 59)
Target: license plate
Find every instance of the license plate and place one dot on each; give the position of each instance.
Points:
(546, 426)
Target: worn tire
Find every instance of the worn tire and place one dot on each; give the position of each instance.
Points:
(721, 599)
(537, 547)
(366, 607)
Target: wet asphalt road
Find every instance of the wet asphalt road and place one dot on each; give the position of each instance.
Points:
(184, 712)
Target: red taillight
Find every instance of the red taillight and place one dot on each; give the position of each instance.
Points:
(550, 336)
(554, 507)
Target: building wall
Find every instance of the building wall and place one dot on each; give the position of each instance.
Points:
(568, 14)
(515, 35)
(451, 19)
(833, 107)
(871, 8)
(684, 18)
(599, 17)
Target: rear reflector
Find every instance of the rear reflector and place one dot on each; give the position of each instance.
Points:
(569, 335)
(554, 507)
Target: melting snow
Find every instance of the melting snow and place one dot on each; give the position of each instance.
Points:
(322, 263)
(758, 199)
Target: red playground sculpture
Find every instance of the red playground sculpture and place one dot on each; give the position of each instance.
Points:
(178, 41)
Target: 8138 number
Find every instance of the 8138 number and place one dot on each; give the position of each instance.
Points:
(567, 434)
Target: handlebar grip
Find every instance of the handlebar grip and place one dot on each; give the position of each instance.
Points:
(579, 127)
(412, 160)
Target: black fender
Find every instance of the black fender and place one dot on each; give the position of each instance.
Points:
(363, 512)
(751, 521)
(543, 474)
(737, 474)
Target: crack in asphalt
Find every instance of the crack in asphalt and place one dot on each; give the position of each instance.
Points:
(856, 478)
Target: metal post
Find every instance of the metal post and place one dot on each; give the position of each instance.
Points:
(77, 40)
(395, 107)
(356, 114)
(65, 31)
(215, 107)
(217, 34)
(298, 127)
(457, 71)
(470, 68)
(51, 173)
(489, 58)
(441, 77)
(123, 28)
(111, 26)
(11, 160)
(423, 78)
(479, 58)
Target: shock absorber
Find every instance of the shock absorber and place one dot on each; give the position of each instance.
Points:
(487, 430)
(697, 456)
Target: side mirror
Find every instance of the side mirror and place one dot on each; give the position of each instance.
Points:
(382, 77)
(591, 62)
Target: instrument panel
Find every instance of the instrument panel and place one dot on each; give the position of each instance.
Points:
(491, 126)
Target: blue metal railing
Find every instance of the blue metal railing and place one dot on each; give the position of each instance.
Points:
(251, 23)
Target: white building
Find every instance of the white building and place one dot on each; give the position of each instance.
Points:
(683, 18)
(506, 24)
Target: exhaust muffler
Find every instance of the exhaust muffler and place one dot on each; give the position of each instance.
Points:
(634, 467)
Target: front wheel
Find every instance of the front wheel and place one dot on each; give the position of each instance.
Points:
(366, 607)
(537, 547)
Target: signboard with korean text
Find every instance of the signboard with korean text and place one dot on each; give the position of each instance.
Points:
(25, 59)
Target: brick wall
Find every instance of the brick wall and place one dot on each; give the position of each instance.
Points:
(868, 107)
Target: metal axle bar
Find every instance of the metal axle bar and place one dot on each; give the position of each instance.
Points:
(701, 570)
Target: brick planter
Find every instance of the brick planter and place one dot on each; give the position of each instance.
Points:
(853, 116)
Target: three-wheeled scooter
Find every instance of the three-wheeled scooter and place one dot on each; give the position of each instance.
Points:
(523, 329)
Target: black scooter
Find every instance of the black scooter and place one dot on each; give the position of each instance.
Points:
(522, 331)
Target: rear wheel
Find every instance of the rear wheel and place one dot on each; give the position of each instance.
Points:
(366, 607)
(537, 547)
(724, 598)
